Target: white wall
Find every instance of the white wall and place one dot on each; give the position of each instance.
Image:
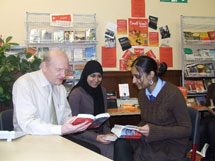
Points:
(13, 14)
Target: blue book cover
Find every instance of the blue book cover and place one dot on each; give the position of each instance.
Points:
(90, 52)
(212, 52)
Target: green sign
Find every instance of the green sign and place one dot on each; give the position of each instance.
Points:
(175, 1)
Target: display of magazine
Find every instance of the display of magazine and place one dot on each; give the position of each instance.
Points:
(95, 121)
(204, 36)
(207, 82)
(212, 53)
(78, 54)
(211, 35)
(59, 36)
(199, 86)
(80, 35)
(190, 85)
(34, 36)
(90, 53)
(78, 68)
(68, 36)
(46, 36)
(209, 69)
(191, 70)
(127, 131)
(205, 54)
(90, 34)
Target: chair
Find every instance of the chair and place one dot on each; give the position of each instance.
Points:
(194, 116)
(6, 120)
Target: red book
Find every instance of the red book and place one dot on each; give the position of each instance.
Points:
(190, 85)
(199, 86)
(96, 121)
(211, 35)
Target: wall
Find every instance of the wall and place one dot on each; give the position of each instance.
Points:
(13, 13)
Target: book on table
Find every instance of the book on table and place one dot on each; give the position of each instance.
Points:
(95, 121)
(126, 131)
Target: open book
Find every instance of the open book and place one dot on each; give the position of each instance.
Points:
(127, 131)
(95, 120)
(199, 154)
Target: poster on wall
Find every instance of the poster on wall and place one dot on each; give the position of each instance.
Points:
(175, 1)
(108, 57)
(138, 8)
(110, 38)
(166, 56)
(121, 27)
(138, 32)
(153, 39)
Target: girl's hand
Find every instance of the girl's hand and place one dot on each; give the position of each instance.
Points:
(144, 130)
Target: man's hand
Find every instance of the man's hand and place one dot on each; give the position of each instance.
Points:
(68, 128)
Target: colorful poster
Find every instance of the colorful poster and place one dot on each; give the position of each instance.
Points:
(137, 8)
(153, 39)
(108, 57)
(139, 51)
(138, 32)
(121, 27)
(166, 56)
(175, 1)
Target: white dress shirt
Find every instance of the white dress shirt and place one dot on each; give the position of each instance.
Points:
(32, 111)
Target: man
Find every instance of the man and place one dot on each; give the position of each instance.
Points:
(39, 99)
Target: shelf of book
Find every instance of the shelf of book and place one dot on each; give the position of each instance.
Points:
(200, 42)
(75, 34)
(198, 56)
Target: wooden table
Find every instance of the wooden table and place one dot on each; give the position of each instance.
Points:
(46, 148)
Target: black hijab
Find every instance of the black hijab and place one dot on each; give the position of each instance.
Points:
(92, 66)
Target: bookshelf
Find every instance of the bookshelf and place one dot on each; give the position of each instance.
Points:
(75, 34)
(198, 55)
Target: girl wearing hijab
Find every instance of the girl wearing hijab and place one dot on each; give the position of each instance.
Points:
(89, 97)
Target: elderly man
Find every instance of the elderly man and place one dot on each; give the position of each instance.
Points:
(39, 99)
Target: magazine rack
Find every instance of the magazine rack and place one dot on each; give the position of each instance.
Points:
(75, 34)
(198, 54)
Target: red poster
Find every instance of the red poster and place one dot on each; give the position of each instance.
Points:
(127, 55)
(166, 56)
(108, 57)
(138, 8)
(153, 39)
(138, 51)
(138, 32)
(121, 27)
(122, 64)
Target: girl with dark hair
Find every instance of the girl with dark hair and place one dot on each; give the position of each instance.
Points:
(89, 97)
(165, 124)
